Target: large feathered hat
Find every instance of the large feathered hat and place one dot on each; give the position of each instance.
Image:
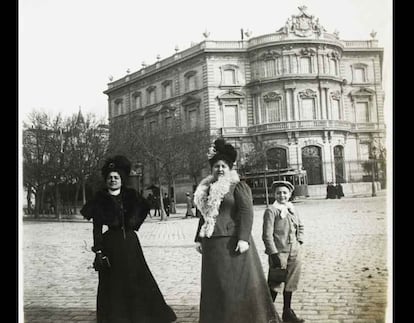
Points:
(119, 164)
(221, 150)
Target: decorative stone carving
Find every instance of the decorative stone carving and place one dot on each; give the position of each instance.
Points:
(231, 95)
(151, 88)
(307, 52)
(302, 25)
(334, 54)
(308, 93)
(271, 54)
(272, 96)
(362, 92)
(336, 95)
(190, 100)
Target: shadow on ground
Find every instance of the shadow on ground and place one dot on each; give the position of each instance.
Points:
(39, 314)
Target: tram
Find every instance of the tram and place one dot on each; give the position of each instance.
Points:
(258, 181)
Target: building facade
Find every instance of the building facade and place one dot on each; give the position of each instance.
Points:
(314, 100)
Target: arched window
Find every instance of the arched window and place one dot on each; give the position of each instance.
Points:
(136, 100)
(119, 107)
(190, 81)
(167, 89)
(151, 95)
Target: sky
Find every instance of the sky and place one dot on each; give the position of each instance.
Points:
(69, 48)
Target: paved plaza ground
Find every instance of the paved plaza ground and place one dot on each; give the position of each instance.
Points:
(345, 274)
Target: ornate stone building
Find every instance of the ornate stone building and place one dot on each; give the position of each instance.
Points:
(304, 94)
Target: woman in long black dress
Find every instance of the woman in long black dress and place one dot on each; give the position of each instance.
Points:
(233, 284)
(127, 291)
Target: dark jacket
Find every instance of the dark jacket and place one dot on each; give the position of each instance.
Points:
(128, 211)
(235, 214)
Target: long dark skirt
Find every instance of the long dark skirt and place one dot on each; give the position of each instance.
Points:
(233, 285)
(127, 292)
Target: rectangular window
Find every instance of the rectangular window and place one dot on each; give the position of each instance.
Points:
(335, 110)
(305, 65)
(333, 67)
(119, 108)
(359, 75)
(273, 111)
(191, 83)
(270, 68)
(138, 102)
(167, 91)
(152, 97)
(229, 115)
(286, 67)
(152, 126)
(308, 109)
(263, 116)
(256, 107)
(229, 77)
(362, 112)
(192, 118)
(364, 151)
(168, 122)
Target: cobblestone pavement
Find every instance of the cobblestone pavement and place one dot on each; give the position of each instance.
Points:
(344, 280)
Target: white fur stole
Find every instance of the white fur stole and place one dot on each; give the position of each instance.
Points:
(208, 197)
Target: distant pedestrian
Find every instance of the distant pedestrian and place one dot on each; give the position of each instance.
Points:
(150, 200)
(166, 202)
(127, 290)
(339, 191)
(156, 205)
(189, 204)
(283, 236)
(330, 191)
(233, 285)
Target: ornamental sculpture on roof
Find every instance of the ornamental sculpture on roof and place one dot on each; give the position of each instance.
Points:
(302, 25)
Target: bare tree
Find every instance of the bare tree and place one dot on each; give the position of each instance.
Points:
(60, 152)
(195, 149)
(87, 146)
(39, 156)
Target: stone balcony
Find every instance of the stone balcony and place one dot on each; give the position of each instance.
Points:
(302, 125)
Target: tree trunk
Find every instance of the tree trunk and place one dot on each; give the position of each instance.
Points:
(173, 199)
(57, 202)
(42, 199)
(38, 202)
(83, 191)
(29, 199)
(75, 202)
(162, 211)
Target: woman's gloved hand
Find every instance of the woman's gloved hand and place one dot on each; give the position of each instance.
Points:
(101, 261)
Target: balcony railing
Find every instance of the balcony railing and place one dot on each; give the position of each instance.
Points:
(314, 124)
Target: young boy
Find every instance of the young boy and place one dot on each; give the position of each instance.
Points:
(282, 235)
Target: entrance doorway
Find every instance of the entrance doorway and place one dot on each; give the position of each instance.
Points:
(312, 163)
